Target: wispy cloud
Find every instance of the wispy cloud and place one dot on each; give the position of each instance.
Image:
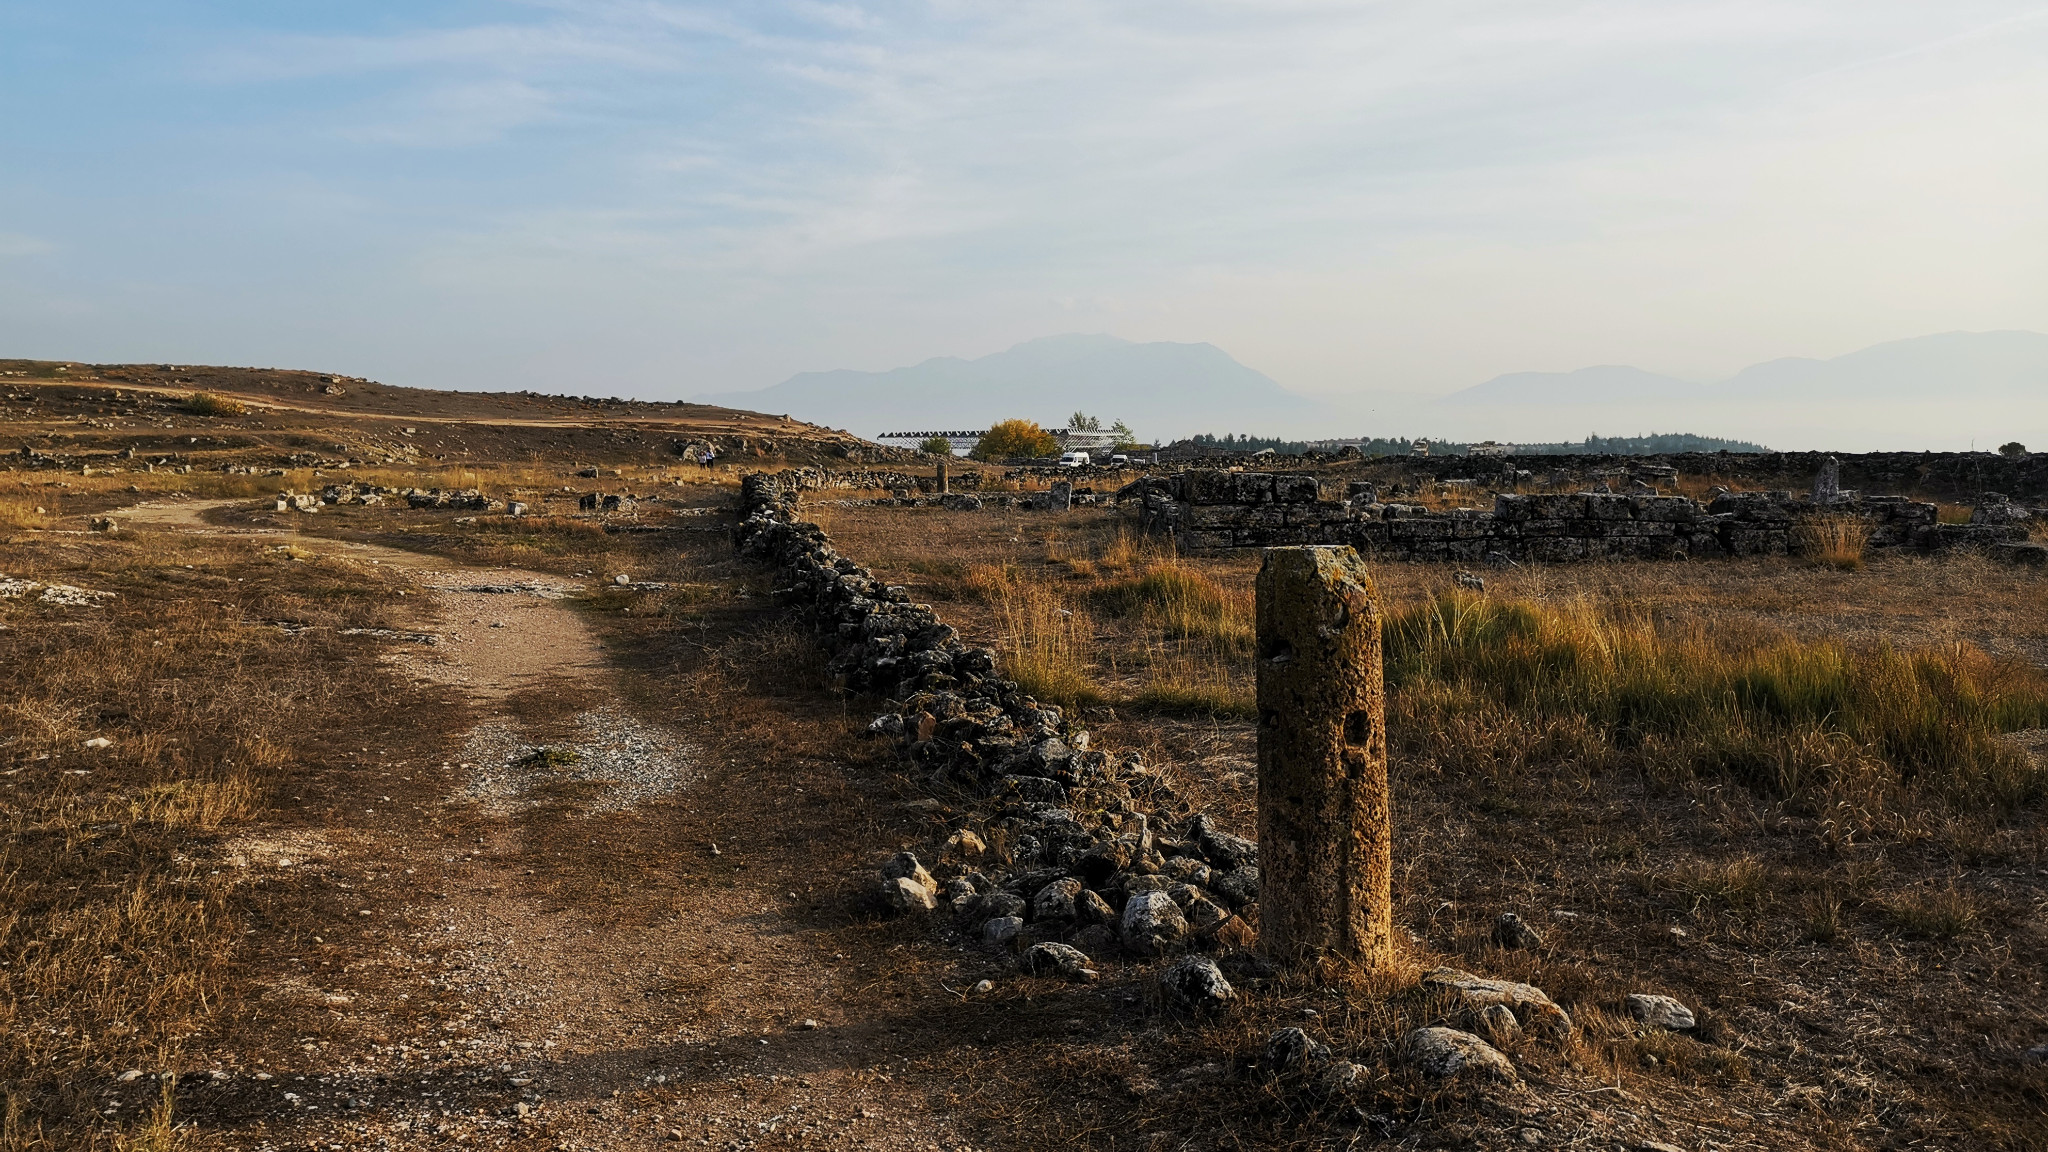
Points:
(1411, 193)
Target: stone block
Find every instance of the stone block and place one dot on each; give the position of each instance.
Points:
(1208, 486)
(1253, 487)
(1216, 516)
(1433, 528)
(1600, 506)
(1296, 489)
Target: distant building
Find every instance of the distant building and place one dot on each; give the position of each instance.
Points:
(1085, 439)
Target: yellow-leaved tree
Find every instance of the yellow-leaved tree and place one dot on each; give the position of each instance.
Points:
(1007, 438)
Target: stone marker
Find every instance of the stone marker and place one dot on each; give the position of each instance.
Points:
(943, 490)
(1060, 496)
(1325, 850)
(1827, 486)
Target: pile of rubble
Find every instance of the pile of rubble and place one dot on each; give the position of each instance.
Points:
(1077, 867)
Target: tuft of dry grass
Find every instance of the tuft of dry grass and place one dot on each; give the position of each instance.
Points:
(1186, 604)
(1044, 643)
(23, 512)
(1833, 541)
(214, 404)
(1933, 913)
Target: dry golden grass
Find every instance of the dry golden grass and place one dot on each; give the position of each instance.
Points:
(1044, 642)
(1786, 717)
(1835, 542)
(120, 922)
(214, 404)
(19, 512)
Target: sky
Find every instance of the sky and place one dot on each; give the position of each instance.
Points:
(665, 199)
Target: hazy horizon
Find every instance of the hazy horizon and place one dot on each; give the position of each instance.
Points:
(670, 199)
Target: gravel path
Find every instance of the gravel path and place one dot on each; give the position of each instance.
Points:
(558, 1028)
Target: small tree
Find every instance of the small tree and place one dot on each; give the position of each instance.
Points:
(2015, 448)
(1007, 438)
(1125, 438)
(936, 446)
(1083, 422)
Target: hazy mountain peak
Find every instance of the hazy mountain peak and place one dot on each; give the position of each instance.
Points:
(1161, 389)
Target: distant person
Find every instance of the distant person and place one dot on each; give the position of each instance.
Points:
(705, 461)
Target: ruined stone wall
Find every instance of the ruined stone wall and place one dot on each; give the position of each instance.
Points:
(1076, 846)
(868, 479)
(1958, 476)
(1208, 511)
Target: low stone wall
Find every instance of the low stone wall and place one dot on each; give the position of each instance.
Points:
(868, 479)
(1206, 511)
(1078, 845)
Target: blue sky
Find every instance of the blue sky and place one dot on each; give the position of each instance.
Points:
(666, 199)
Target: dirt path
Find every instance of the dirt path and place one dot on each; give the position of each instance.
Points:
(583, 967)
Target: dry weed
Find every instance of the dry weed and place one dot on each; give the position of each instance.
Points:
(1833, 541)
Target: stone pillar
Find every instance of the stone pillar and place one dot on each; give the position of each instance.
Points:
(1325, 851)
(1060, 496)
(1827, 486)
(942, 478)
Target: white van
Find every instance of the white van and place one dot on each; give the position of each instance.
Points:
(1074, 460)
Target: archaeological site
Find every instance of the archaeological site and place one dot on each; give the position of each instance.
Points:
(393, 769)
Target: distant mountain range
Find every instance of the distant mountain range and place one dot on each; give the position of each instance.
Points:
(1966, 365)
(1940, 391)
(1158, 389)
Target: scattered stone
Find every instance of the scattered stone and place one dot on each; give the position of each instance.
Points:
(1204, 916)
(906, 895)
(1153, 924)
(1511, 931)
(1002, 929)
(1238, 887)
(98, 742)
(1097, 939)
(965, 845)
(1469, 581)
(1055, 902)
(622, 579)
(1091, 908)
(984, 987)
(1236, 932)
(1445, 1053)
(1536, 1011)
(130, 1076)
(1339, 1080)
(1656, 1011)
(1195, 982)
(1292, 1052)
(1056, 960)
(905, 865)
(1500, 1025)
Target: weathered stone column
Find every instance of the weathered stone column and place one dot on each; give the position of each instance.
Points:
(1325, 851)
(942, 478)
